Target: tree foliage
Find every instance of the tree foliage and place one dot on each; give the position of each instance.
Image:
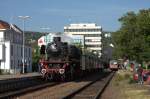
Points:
(31, 38)
(133, 38)
(35, 58)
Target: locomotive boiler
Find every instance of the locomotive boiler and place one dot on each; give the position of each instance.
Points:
(64, 61)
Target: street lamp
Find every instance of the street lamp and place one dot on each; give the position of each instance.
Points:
(45, 28)
(23, 18)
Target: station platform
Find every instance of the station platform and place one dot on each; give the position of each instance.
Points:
(19, 76)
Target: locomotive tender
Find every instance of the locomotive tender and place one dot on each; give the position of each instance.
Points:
(60, 60)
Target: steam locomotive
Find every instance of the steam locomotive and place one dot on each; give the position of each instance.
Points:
(63, 61)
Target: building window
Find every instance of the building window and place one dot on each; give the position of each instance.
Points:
(17, 50)
(29, 52)
(92, 40)
(18, 63)
(29, 62)
(25, 52)
(11, 50)
(11, 64)
(21, 51)
(14, 64)
(93, 45)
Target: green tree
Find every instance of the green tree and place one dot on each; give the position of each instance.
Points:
(133, 38)
(35, 58)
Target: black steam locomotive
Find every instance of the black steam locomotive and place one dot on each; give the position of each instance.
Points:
(63, 61)
(61, 50)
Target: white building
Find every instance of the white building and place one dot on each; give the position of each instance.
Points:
(92, 35)
(11, 49)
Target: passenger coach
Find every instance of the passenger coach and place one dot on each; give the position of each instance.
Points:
(113, 65)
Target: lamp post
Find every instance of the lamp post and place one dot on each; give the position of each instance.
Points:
(23, 18)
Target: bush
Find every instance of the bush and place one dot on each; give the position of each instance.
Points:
(131, 80)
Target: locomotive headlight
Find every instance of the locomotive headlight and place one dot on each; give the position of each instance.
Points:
(61, 71)
(43, 71)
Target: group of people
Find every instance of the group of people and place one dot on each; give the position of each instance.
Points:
(138, 70)
(141, 73)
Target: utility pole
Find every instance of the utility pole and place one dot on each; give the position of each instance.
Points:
(23, 18)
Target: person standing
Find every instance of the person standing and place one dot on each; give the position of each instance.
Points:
(140, 76)
(132, 67)
(125, 65)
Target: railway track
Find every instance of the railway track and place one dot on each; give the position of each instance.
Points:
(65, 90)
(92, 90)
(12, 88)
(89, 87)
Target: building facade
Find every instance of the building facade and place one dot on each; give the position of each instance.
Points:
(11, 50)
(92, 35)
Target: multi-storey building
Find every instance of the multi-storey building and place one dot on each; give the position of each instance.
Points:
(11, 40)
(92, 35)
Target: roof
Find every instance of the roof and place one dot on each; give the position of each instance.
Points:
(4, 25)
(15, 28)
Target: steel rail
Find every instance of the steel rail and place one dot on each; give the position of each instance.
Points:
(88, 85)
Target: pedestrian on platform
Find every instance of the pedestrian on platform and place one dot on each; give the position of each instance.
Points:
(132, 67)
(125, 65)
(140, 76)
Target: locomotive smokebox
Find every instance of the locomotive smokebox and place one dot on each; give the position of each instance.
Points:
(57, 39)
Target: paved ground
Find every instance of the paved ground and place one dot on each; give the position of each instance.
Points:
(13, 76)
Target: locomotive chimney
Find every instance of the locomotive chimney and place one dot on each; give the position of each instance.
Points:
(57, 39)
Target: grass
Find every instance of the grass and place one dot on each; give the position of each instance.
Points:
(121, 76)
(129, 88)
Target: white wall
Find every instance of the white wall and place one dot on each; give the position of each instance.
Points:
(2, 55)
(92, 34)
(11, 63)
(1, 35)
(5, 64)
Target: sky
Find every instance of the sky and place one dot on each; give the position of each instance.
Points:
(53, 15)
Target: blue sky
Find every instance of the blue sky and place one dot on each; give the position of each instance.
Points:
(55, 14)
